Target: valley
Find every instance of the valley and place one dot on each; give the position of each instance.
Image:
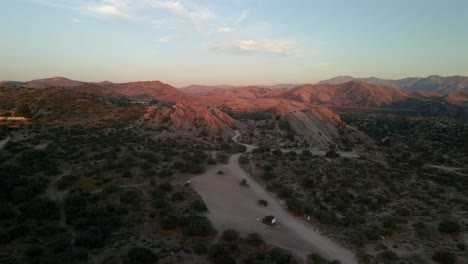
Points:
(353, 172)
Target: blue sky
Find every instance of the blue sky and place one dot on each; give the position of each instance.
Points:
(231, 41)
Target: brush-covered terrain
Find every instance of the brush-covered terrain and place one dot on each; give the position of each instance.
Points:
(402, 200)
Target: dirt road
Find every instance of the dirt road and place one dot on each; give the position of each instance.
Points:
(234, 206)
(4, 142)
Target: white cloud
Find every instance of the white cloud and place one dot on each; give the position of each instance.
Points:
(165, 39)
(287, 48)
(75, 21)
(110, 11)
(225, 29)
(178, 8)
(243, 16)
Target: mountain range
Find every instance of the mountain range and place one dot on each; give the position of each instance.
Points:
(307, 110)
(433, 83)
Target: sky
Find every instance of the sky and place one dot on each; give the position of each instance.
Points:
(236, 42)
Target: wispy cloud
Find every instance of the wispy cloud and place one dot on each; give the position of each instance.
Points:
(180, 9)
(110, 11)
(243, 16)
(165, 39)
(76, 20)
(225, 29)
(287, 48)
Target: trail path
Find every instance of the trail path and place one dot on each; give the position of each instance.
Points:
(4, 142)
(234, 206)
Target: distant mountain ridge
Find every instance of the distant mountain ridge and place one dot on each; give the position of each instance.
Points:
(433, 83)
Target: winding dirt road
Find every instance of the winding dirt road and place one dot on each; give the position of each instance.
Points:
(4, 142)
(231, 205)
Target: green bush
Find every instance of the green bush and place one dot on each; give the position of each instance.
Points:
(243, 160)
(230, 235)
(220, 255)
(295, 206)
(254, 239)
(138, 255)
(169, 222)
(444, 257)
(33, 251)
(197, 226)
(200, 249)
(41, 209)
(449, 227)
(198, 206)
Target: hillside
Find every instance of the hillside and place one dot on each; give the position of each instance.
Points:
(433, 83)
(318, 126)
(349, 94)
(184, 117)
(48, 82)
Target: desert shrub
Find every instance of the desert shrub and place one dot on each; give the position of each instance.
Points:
(200, 249)
(317, 259)
(332, 154)
(33, 251)
(138, 255)
(449, 227)
(352, 218)
(131, 197)
(165, 187)
(222, 158)
(295, 206)
(444, 257)
(309, 183)
(254, 239)
(198, 206)
(41, 209)
(388, 255)
(197, 226)
(230, 235)
(197, 168)
(277, 152)
(169, 222)
(220, 255)
(178, 196)
(268, 175)
(243, 160)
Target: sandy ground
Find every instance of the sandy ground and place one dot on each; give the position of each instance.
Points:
(4, 142)
(231, 205)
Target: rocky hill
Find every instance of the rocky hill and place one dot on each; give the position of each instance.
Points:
(190, 118)
(433, 83)
(316, 125)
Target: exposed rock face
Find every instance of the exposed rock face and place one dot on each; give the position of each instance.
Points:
(191, 118)
(317, 125)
